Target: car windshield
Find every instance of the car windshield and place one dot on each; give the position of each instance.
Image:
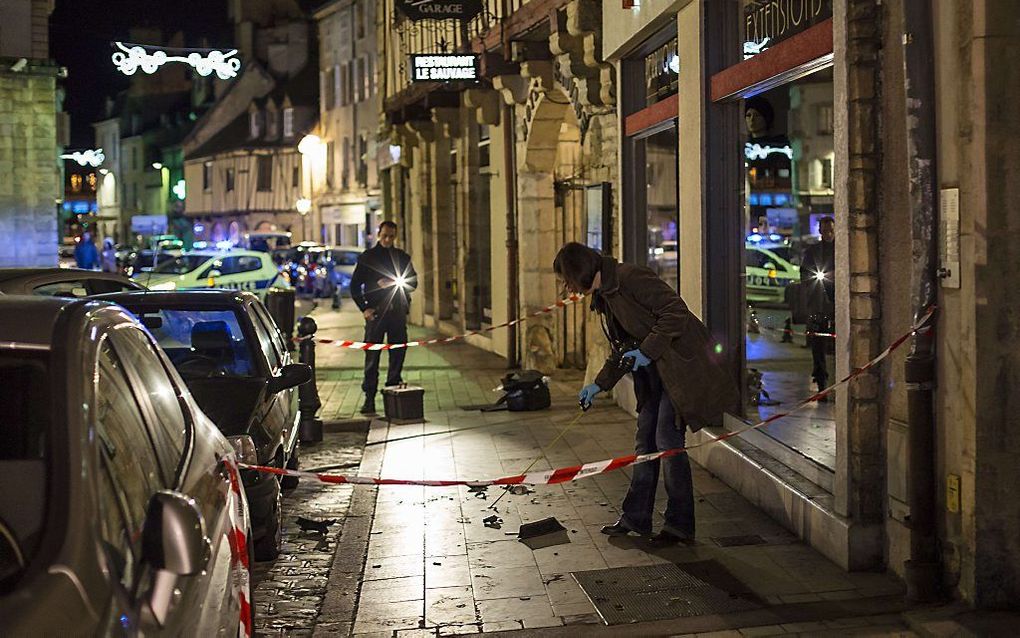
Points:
(783, 252)
(181, 265)
(202, 343)
(24, 443)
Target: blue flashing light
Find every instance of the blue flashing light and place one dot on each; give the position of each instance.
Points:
(766, 199)
(781, 199)
(754, 238)
(775, 237)
(226, 244)
(66, 206)
(752, 199)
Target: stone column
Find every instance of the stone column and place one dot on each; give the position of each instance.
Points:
(444, 236)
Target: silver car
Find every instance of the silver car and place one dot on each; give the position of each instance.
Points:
(121, 509)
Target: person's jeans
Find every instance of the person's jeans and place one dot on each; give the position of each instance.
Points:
(392, 325)
(819, 348)
(657, 430)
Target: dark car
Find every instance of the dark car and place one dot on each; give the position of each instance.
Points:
(63, 282)
(138, 262)
(236, 364)
(120, 512)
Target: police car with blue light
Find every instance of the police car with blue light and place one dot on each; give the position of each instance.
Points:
(769, 268)
(224, 268)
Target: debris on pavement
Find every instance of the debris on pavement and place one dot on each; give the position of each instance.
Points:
(544, 533)
(520, 490)
(311, 525)
(495, 522)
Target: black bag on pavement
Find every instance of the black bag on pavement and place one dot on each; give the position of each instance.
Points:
(525, 391)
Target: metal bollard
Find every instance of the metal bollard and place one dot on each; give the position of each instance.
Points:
(309, 427)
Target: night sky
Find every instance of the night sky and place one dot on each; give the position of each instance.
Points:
(81, 32)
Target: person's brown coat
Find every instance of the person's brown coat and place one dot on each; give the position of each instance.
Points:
(679, 344)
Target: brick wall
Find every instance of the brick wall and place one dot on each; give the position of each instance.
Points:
(29, 170)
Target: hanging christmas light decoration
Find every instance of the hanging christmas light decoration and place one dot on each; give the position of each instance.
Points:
(131, 57)
(87, 157)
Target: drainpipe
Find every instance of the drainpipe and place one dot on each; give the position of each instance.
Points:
(923, 570)
(513, 294)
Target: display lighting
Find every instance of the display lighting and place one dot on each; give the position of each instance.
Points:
(87, 157)
(753, 151)
(131, 57)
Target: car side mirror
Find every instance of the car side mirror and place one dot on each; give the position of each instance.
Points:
(173, 536)
(174, 544)
(291, 376)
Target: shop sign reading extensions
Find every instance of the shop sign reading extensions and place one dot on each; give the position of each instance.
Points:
(767, 22)
(447, 67)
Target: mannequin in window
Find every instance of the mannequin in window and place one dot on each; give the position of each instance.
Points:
(767, 155)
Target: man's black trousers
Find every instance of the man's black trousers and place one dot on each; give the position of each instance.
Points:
(392, 328)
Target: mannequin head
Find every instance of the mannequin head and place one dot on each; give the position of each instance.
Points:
(758, 116)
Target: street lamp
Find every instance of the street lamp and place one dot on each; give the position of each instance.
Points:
(302, 206)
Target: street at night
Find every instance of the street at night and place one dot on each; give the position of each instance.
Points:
(405, 318)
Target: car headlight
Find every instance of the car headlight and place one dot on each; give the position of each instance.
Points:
(166, 285)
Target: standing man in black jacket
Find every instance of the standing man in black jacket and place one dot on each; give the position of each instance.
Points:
(381, 287)
(818, 275)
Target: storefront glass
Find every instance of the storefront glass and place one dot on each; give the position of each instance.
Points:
(789, 273)
(661, 202)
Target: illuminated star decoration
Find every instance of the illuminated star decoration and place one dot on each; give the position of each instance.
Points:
(757, 151)
(91, 157)
(129, 58)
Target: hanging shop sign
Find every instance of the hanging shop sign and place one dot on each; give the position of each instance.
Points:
(767, 22)
(440, 9)
(444, 67)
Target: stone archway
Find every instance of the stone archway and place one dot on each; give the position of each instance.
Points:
(549, 152)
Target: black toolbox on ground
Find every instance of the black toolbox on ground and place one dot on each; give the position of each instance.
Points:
(405, 403)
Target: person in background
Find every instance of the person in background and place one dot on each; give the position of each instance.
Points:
(109, 255)
(85, 254)
(817, 275)
(679, 379)
(381, 286)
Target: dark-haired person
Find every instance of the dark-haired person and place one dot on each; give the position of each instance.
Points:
(381, 287)
(678, 379)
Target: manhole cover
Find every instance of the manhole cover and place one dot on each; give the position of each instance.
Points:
(736, 541)
(657, 592)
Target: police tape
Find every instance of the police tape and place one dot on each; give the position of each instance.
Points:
(788, 331)
(575, 472)
(239, 545)
(361, 345)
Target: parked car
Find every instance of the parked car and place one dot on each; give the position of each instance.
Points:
(231, 269)
(235, 363)
(333, 269)
(119, 513)
(139, 262)
(62, 282)
(768, 273)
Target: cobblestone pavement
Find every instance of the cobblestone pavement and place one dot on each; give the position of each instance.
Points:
(290, 590)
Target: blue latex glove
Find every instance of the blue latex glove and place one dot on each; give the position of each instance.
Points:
(587, 395)
(640, 359)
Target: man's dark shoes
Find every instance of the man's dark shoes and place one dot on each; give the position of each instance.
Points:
(619, 528)
(369, 406)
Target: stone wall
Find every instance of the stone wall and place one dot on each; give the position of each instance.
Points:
(30, 182)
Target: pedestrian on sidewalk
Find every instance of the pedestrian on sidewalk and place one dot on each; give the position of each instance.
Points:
(679, 379)
(381, 287)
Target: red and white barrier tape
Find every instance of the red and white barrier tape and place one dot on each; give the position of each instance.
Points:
(361, 345)
(573, 473)
(239, 540)
(829, 335)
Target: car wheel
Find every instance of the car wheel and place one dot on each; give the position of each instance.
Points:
(268, 547)
(290, 482)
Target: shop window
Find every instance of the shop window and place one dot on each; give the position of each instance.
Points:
(229, 179)
(288, 122)
(789, 270)
(75, 183)
(207, 169)
(662, 72)
(659, 157)
(254, 124)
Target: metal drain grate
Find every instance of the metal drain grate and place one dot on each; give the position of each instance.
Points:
(656, 592)
(736, 541)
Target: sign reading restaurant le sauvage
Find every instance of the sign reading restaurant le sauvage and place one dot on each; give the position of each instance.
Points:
(767, 22)
(440, 9)
(444, 67)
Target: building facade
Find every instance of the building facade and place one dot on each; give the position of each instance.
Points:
(347, 203)
(32, 183)
(243, 169)
(777, 121)
(490, 177)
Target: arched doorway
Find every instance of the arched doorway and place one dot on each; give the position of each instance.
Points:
(551, 212)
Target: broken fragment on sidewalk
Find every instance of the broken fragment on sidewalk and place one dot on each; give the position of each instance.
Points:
(493, 521)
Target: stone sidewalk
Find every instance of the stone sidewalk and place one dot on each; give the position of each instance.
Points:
(416, 561)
